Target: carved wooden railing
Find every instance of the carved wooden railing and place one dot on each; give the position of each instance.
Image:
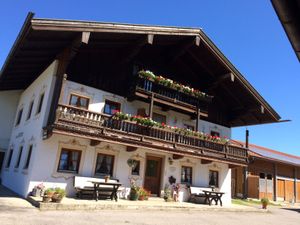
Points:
(74, 115)
(150, 86)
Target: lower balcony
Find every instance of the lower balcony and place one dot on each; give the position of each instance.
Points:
(100, 127)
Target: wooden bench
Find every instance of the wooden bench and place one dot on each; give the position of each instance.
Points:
(197, 194)
(85, 187)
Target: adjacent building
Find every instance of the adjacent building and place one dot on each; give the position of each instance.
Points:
(91, 97)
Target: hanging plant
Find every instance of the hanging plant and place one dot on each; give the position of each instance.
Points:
(132, 163)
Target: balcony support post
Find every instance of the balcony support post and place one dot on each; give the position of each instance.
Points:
(151, 106)
(197, 119)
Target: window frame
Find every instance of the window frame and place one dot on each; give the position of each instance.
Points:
(19, 116)
(107, 101)
(215, 133)
(112, 166)
(28, 158)
(160, 115)
(40, 104)
(79, 96)
(9, 158)
(29, 113)
(191, 175)
(17, 164)
(69, 160)
(218, 177)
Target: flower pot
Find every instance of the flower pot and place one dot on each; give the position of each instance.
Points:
(264, 205)
(106, 179)
(141, 197)
(56, 198)
(133, 196)
(46, 198)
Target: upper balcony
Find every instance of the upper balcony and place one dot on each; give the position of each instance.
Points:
(100, 127)
(168, 93)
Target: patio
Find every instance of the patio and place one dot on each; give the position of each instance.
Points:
(154, 203)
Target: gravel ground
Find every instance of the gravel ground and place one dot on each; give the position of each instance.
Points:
(14, 210)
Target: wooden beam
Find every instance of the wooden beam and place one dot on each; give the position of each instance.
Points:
(219, 80)
(151, 106)
(275, 181)
(176, 156)
(183, 47)
(64, 58)
(205, 161)
(197, 119)
(131, 148)
(94, 142)
(85, 37)
(245, 189)
(145, 40)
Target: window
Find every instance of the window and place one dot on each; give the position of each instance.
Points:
(28, 157)
(19, 157)
(104, 165)
(19, 118)
(69, 161)
(213, 178)
(9, 158)
(30, 110)
(40, 105)
(159, 118)
(190, 127)
(186, 174)
(111, 107)
(79, 101)
(136, 169)
(215, 133)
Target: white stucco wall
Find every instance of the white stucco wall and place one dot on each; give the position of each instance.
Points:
(28, 132)
(8, 105)
(49, 151)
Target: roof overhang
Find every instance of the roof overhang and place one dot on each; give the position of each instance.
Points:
(288, 12)
(41, 40)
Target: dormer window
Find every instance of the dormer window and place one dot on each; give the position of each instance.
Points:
(79, 101)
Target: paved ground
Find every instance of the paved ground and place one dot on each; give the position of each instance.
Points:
(14, 210)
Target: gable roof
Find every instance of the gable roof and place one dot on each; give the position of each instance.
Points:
(40, 40)
(270, 154)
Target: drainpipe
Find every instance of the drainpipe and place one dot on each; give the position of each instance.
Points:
(246, 168)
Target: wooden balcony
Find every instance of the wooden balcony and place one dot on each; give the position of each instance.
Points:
(164, 95)
(99, 127)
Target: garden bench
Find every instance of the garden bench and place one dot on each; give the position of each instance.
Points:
(197, 194)
(85, 187)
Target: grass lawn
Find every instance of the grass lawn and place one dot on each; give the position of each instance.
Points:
(250, 202)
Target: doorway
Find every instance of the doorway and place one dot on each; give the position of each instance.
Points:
(153, 174)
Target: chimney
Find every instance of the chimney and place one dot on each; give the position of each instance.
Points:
(247, 138)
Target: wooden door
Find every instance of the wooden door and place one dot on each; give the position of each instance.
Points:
(280, 189)
(289, 190)
(298, 191)
(153, 174)
(253, 186)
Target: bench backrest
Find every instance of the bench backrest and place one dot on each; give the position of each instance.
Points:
(199, 190)
(81, 182)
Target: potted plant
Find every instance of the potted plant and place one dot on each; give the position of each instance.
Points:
(143, 194)
(134, 191)
(58, 195)
(264, 202)
(167, 193)
(48, 194)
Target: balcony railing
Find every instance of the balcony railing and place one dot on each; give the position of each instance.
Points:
(152, 87)
(97, 123)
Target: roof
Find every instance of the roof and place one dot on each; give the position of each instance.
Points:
(288, 13)
(270, 154)
(41, 40)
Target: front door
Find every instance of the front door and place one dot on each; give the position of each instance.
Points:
(153, 174)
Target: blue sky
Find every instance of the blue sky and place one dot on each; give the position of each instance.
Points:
(247, 32)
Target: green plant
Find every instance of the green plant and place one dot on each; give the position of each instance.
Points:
(167, 193)
(264, 202)
(49, 192)
(59, 192)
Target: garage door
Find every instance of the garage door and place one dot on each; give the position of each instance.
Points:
(280, 189)
(298, 191)
(289, 190)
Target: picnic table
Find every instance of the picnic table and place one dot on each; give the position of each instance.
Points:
(105, 187)
(213, 196)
